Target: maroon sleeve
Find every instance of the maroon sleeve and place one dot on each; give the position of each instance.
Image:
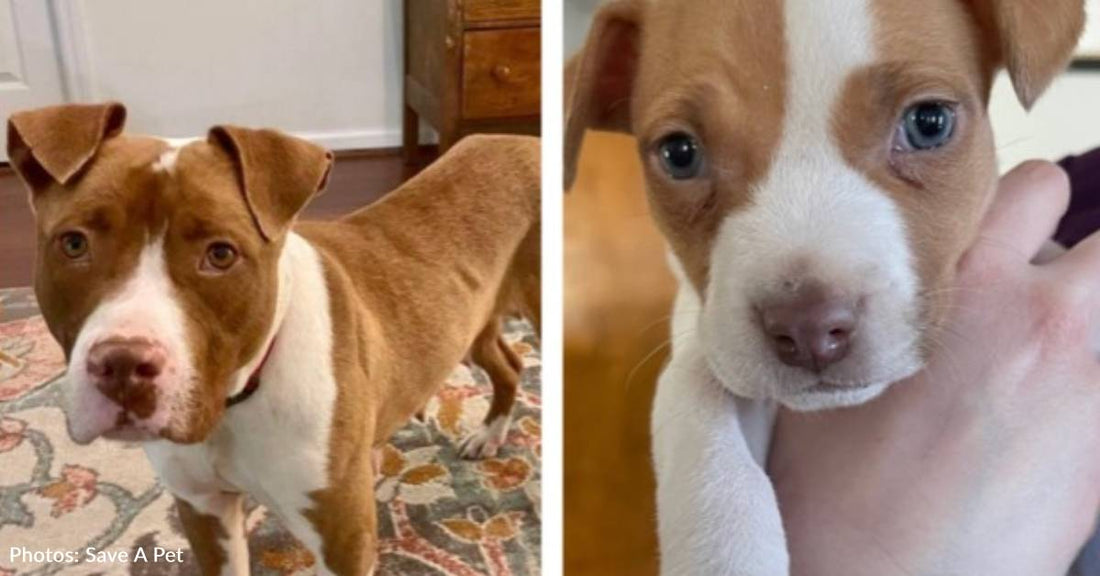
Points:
(1083, 216)
(1081, 220)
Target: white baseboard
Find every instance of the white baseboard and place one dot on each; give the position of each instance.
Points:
(361, 139)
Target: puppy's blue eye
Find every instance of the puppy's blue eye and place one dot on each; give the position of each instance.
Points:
(680, 155)
(928, 125)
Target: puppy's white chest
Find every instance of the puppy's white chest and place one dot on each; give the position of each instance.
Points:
(757, 417)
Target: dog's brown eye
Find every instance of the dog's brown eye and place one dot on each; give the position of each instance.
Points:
(681, 155)
(220, 256)
(74, 244)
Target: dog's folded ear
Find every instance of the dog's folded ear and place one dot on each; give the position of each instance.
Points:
(277, 173)
(599, 80)
(1032, 39)
(53, 144)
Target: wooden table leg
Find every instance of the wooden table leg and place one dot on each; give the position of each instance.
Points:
(410, 136)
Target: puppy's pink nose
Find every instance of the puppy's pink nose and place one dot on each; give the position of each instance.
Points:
(125, 371)
(810, 331)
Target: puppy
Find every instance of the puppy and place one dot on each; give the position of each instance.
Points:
(818, 169)
(253, 354)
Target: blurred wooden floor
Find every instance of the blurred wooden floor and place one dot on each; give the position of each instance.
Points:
(358, 178)
(618, 296)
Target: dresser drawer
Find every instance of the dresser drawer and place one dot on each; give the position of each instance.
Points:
(490, 10)
(501, 73)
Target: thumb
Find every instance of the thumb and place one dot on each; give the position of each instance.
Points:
(1029, 202)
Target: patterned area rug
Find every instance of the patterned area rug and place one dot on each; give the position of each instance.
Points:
(438, 514)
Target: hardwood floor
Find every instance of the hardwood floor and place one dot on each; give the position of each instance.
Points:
(615, 268)
(358, 178)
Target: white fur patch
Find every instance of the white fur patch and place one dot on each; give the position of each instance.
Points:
(814, 218)
(144, 308)
(486, 440)
(166, 162)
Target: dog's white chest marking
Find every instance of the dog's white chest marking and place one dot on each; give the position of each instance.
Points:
(290, 414)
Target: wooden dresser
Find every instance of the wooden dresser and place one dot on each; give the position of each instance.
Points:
(471, 66)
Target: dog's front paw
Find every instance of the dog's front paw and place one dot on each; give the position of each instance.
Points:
(486, 441)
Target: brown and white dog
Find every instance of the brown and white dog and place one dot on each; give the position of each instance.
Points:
(818, 169)
(253, 354)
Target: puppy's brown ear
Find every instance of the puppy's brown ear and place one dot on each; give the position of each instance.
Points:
(1032, 39)
(53, 144)
(599, 80)
(277, 173)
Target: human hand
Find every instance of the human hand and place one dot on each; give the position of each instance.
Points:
(987, 461)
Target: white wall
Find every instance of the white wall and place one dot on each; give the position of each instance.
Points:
(1066, 120)
(329, 70)
(578, 16)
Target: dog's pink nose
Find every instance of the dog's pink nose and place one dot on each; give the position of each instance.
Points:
(125, 371)
(811, 331)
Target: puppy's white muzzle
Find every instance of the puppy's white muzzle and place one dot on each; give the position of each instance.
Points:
(812, 298)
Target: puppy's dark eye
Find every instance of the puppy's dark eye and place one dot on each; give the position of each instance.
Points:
(74, 245)
(219, 257)
(927, 125)
(681, 155)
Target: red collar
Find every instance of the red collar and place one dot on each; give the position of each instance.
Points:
(253, 381)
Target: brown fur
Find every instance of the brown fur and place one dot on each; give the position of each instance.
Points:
(503, 366)
(413, 281)
(206, 534)
(599, 83)
(1031, 39)
(40, 157)
(277, 174)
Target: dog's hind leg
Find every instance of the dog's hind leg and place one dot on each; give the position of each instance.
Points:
(513, 359)
(503, 366)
